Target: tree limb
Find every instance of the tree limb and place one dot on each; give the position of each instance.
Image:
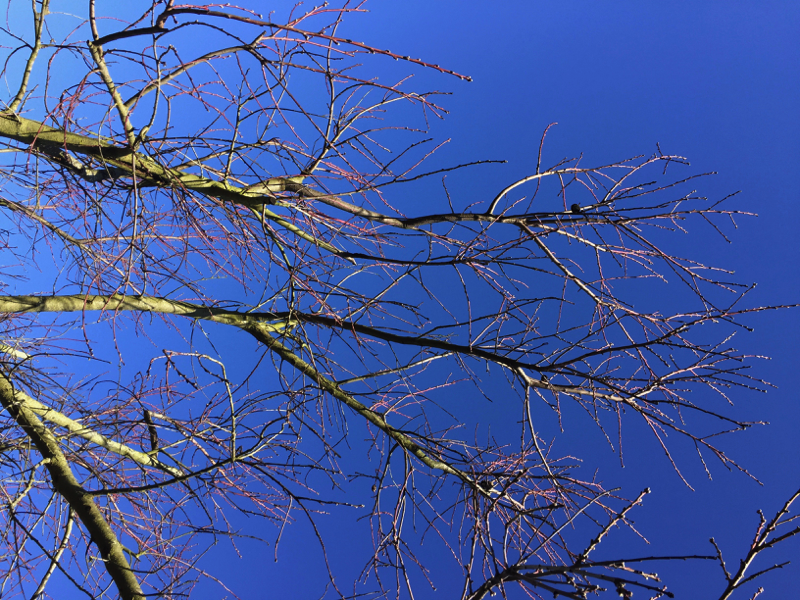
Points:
(67, 485)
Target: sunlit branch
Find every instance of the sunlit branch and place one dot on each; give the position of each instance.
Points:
(76, 428)
(38, 25)
(97, 53)
(765, 537)
(48, 139)
(254, 168)
(279, 321)
(56, 558)
(248, 322)
(68, 486)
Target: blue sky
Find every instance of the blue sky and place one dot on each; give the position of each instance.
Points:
(714, 81)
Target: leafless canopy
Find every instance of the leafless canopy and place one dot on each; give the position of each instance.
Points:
(237, 283)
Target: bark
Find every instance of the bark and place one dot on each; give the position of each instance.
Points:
(65, 483)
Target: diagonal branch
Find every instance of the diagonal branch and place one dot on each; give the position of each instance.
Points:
(53, 141)
(67, 485)
(76, 428)
(263, 332)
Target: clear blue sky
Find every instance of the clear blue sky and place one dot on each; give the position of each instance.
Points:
(714, 81)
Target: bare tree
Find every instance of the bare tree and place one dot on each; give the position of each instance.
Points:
(238, 303)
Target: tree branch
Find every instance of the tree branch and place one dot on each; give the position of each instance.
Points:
(67, 485)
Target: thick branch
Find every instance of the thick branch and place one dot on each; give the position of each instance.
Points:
(75, 303)
(76, 428)
(67, 485)
(263, 335)
(52, 141)
(248, 322)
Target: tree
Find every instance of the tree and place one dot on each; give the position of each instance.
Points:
(244, 309)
